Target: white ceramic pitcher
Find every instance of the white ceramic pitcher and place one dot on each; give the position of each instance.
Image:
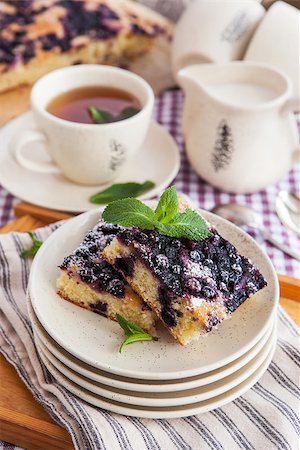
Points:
(239, 129)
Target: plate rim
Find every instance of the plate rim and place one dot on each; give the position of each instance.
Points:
(247, 370)
(153, 375)
(213, 403)
(137, 387)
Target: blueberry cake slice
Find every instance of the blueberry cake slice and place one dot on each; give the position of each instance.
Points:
(87, 280)
(191, 285)
(37, 36)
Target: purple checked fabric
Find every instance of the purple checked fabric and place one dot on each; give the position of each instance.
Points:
(168, 111)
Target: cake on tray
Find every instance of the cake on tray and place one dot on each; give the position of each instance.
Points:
(87, 280)
(191, 285)
(37, 36)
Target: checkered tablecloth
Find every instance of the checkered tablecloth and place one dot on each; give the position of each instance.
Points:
(168, 110)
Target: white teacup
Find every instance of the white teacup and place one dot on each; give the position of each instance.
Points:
(214, 31)
(276, 41)
(87, 154)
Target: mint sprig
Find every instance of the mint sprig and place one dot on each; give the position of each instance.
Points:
(133, 332)
(166, 219)
(102, 116)
(121, 190)
(32, 251)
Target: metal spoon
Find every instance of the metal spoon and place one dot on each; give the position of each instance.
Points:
(242, 215)
(288, 210)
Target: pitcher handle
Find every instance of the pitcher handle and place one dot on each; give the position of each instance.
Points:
(291, 105)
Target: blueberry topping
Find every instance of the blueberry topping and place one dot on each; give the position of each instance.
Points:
(91, 267)
(78, 20)
(210, 269)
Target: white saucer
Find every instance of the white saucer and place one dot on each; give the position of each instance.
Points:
(157, 161)
(154, 399)
(134, 384)
(95, 340)
(166, 412)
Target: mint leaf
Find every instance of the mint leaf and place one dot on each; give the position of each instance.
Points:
(128, 327)
(189, 225)
(167, 206)
(121, 190)
(127, 112)
(133, 332)
(32, 251)
(137, 338)
(129, 212)
(99, 116)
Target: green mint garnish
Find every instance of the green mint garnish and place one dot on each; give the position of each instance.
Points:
(99, 116)
(130, 212)
(31, 252)
(188, 224)
(133, 332)
(102, 116)
(166, 219)
(127, 112)
(121, 190)
(167, 206)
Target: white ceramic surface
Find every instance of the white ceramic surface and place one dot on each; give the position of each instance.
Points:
(214, 31)
(135, 384)
(95, 340)
(162, 399)
(238, 123)
(157, 161)
(164, 412)
(87, 154)
(276, 41)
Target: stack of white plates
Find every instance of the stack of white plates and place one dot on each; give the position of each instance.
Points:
(157, 379)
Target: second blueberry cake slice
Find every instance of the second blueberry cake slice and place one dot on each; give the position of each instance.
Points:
(191, 285)
(87, 280)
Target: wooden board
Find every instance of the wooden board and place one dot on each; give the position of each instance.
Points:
(23, 421)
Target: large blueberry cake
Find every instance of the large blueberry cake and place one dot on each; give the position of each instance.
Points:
(89, 281)
(37, 36)
(191, 285)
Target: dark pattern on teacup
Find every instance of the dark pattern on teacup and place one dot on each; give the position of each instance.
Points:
(236, 28)
(117, 155)
(223, 147)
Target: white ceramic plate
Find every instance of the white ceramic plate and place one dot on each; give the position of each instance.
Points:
(135, 384)
(95, 340)
(158, 161)
(182, 397)
(167, 412)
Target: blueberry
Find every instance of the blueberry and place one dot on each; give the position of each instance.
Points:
(116, 287)
(208, 292)
(195, 256)
(176, 269)
(193, 285)
(162, 261)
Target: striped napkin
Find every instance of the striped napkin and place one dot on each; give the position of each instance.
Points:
(266, 417)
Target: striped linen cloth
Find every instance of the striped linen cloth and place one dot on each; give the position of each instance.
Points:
(266, 417)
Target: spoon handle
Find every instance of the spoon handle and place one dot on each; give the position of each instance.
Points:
(284, 248)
